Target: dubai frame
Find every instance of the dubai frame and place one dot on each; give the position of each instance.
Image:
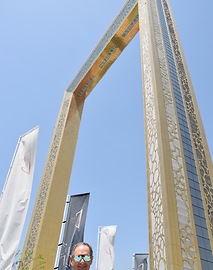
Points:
(179, 165)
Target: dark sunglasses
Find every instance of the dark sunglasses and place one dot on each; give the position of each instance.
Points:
(86, 258)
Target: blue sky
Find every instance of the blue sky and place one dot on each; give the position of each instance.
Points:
(43, 45)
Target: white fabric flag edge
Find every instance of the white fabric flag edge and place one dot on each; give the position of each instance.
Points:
(105, 258)
(13, 214)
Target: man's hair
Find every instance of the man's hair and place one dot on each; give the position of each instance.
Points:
(82, 244)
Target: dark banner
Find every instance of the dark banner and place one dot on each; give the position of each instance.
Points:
(140, 261)
(74, 228)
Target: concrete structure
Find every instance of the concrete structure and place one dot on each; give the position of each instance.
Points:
(179, 166)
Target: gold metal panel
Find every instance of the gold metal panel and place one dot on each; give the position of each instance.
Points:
(48, 212)
(108, 55)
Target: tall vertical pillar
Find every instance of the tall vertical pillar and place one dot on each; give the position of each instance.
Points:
(179, 167)
(44, 229)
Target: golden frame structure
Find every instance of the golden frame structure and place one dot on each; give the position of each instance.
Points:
(173, 239)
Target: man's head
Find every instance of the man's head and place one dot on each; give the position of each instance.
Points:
(81, 256)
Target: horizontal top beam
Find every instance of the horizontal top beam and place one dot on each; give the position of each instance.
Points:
(116, 38)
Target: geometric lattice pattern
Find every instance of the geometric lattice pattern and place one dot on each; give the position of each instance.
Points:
(179, 166)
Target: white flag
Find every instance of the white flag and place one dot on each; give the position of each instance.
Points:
(106, 248)
(15, 197)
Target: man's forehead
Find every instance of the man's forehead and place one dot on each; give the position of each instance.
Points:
(82, 248)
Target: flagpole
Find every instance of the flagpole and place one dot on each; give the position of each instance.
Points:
(60, 242)
(133, 262)
(98, 245)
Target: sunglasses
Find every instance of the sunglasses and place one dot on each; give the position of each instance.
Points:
(86, 258)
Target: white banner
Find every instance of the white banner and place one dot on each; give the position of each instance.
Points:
(15, 197)
(106, 248)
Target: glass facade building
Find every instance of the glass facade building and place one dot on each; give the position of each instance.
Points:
(179, 166)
